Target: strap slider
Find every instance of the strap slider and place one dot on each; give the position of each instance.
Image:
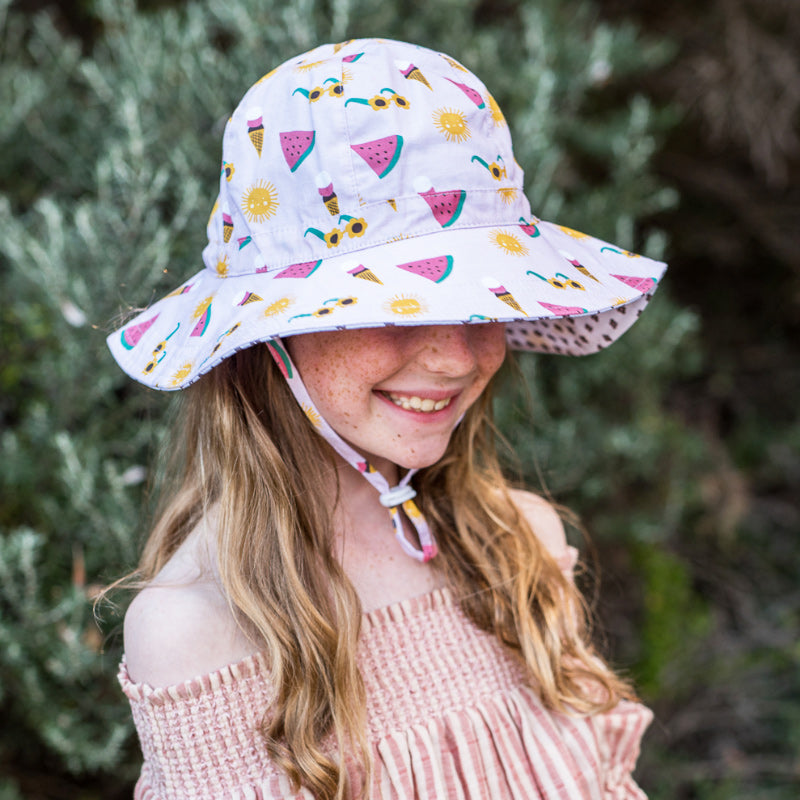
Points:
(396, 496)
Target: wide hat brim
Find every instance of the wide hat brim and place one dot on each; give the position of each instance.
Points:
(557, 291)
(373, 183)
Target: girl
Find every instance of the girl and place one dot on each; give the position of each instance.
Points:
(343, 596)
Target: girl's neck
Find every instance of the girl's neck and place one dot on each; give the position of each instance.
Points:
(365, 543)
(353, 484)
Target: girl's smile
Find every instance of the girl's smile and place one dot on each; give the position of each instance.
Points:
(397, 393)
(415, 403)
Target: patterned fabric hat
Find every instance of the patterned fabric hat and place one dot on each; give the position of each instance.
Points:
(372, 183)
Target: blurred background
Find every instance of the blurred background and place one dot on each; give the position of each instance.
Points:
(669, 128)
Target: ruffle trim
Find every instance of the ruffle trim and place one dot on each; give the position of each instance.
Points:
(257, 664)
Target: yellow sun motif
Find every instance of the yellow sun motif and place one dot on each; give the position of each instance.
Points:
(347, 76)
(313, 417)
(180, 374)
(260, 201)
(508, 242)
(202, 307)
(452, 123)
(222, 267)
(278, 307)
(307, 66)
(574, 234)
(497, 114)
(618, 301)
(405, 306)
(508, 194)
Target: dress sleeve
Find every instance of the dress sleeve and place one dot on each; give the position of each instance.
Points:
(619, 733)
(200, 739)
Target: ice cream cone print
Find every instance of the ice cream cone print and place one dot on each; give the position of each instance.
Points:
(248, 297)
(325, 189)
(577, 264)
(255, 129)
(180, 290)
(360, 271)
(501, 293)
(412, 72)
(227, 227)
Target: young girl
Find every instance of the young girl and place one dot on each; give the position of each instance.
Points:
(343, 596)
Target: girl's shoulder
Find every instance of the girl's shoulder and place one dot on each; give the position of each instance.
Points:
(544, 520)
(180, 625)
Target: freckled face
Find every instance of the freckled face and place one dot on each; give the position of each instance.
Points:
(395, 394)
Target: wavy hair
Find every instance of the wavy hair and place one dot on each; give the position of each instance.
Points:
(246, 448)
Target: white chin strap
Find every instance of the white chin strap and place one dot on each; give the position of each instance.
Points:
(395, 497)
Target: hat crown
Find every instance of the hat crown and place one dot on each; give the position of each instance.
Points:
(372, 183)
(353, 145)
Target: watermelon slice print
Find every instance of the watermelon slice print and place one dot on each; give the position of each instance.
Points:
(299, 270)
(130, 336)
(281, 359)
(529, 228)
(434, 269)
(640, 284)
(296, 145)
(446, 206)
(202, 323)
(563, 311)
(380, 154)
(469, 92)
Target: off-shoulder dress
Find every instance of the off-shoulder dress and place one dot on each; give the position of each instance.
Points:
(450, 715)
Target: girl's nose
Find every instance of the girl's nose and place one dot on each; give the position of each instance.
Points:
(446, 349)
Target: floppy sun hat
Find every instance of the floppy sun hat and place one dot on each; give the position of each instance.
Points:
(373, 183)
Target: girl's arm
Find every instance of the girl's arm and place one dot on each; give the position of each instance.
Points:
(180, 626)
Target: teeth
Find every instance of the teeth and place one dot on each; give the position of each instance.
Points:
(425, 405)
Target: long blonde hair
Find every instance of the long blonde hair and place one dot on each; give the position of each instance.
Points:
(247, 449)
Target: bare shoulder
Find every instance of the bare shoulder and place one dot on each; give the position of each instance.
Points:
(543, 519)
(180, 627)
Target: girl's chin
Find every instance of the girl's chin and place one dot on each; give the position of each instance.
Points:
(410, 460)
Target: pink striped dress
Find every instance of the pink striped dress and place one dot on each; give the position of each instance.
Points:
(448, 711)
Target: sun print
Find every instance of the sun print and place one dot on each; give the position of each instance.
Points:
(278, 307)
(574, 234)
(508, 242)
(452, 123)
(497, 114)
(307, 66)
(202, 307)
(508, 194)
(313, 416)
(180, 374)
(405, 305)
(260, 201)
